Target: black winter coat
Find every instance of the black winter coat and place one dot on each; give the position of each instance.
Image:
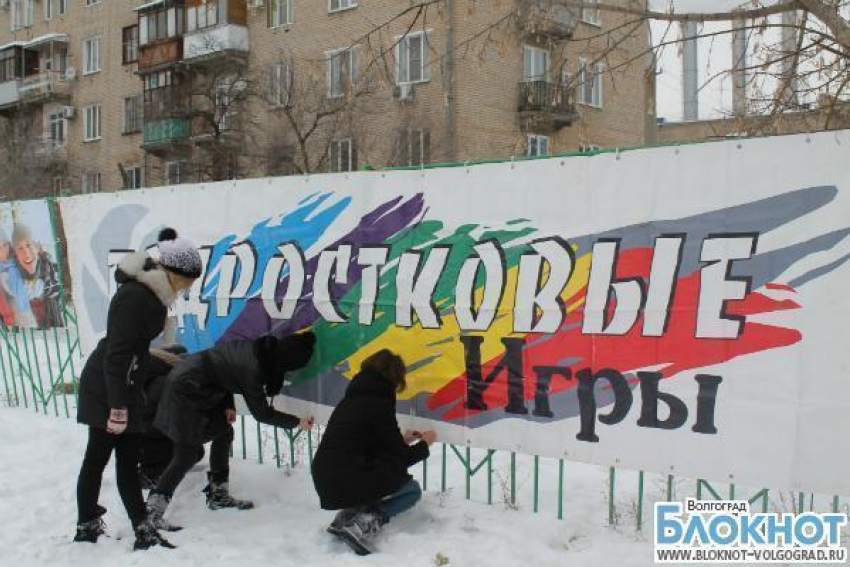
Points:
(363, 456)
(114, 374)
(201, 387)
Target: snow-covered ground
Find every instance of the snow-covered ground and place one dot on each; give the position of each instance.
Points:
(40, 457)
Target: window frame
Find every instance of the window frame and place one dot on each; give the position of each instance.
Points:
(56, 121)
(534, 141)
(92, 123)
(88, 53)
(133, 114)
(402, 53)
(591, 16)
(342, 5)
(351, 158)
(130, 44)
(534, 51)
(596, 100)
(343, 54)
(278, 8)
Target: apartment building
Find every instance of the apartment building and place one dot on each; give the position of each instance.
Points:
(97, 95)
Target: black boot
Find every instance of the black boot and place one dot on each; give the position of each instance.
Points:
(147, 537)
(362, 529)
(218, 494)
(157, 504)
(91, 530)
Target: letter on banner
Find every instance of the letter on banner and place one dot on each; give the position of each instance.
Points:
(666, 257)
(226, 289)
(294, 259)
(330, 260)
(628, 292)
(416, 286)
(371, 259)
(490, 254)
(717, 286)
(477, 384)
(531, 296)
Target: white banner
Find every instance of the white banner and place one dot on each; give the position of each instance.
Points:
(677, 310)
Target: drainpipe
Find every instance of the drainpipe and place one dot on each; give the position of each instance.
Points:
(449, 85)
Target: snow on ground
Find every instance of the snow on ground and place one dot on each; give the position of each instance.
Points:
(41, 456)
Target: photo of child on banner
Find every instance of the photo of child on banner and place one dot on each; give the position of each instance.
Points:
(29, 277)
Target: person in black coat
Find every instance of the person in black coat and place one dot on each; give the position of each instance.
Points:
(361, 464)
(111, 400)
(197, 406)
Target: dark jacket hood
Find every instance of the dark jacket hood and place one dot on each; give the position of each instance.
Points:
(140, 267)
(372, 384)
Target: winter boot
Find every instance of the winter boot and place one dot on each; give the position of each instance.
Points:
(361, 530)
(218, 494)
(342, 518)
(157, 505)
(91, 530)
(147, 537)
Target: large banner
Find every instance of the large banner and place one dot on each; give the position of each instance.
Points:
(29, 277)
(678, 310)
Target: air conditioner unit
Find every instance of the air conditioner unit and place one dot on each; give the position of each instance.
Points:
(403, 91)
(70, 112)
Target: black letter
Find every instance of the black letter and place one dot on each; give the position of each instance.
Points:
(706, 398)
(476, 384)
(587, 401)
(649, 409)
(541, 390)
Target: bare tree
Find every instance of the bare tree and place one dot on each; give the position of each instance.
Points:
(31, 160)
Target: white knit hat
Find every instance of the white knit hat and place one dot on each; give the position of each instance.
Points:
(179, 255)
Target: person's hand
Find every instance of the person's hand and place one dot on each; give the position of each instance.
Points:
(410, 436)
(230, 415)
(306, 423)
(428, 436)
(117, 423)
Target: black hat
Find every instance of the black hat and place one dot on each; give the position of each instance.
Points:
(278, 356)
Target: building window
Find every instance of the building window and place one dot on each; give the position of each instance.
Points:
(48, 10)
(175, 172)
(590, 84)
(342, 71)
(415, 147)
(590, 15)
(201, 14)
(92, 122)
(161, 24)
(412, 57)
(587, 148)
(130, 44)
(227, 99)
(90, 182)
(537, 145)
(337, 5)
(92, 2)
(63, 7)
(10, 65)
(280, 85)
(281, 12)
(91, 55)
(133, 177)
(343, 155)
(133, 114)
(57, 128)
(22, 14)
(535, 63)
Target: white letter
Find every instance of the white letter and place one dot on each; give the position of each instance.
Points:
(628, 293)
(494, 269)
(716, 287)
(662, 278)
(415, 290)
(371, 259)
(225, 290)
(330, 260)
(531, 297)
(293, 257)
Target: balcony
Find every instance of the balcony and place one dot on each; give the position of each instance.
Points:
(545, 18)
(45, 87)
(163, 136)
(10, 94)
(212, 44)
(545, 106)
(53, 154)
(161, 54)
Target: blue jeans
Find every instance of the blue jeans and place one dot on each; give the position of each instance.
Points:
(404, 499)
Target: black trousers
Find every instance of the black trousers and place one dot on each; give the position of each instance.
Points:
(127, 454)
(185, 457)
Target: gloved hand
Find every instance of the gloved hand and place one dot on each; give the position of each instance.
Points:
(117, 421)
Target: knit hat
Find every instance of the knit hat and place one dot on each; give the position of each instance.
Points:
(278, 356)
(179, 255)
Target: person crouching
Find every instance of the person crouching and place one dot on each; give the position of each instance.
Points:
(197, 406)
(360, 467)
